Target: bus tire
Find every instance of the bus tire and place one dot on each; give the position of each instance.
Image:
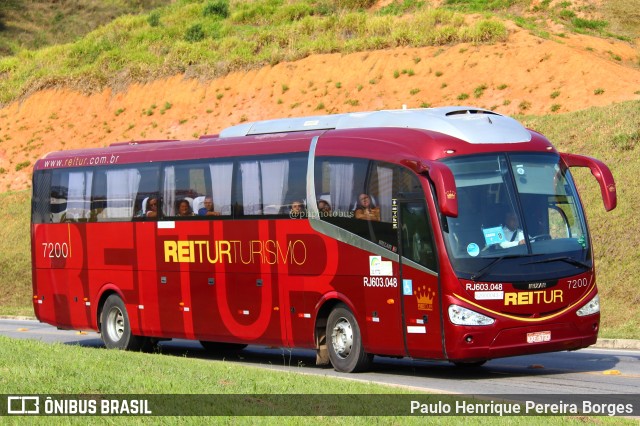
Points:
(222, 346)
(115, 327)
(344, 342)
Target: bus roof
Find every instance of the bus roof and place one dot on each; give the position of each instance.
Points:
(472, 125)
(391, 135)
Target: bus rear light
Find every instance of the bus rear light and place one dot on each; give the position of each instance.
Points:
(463, 316)
(593, 307)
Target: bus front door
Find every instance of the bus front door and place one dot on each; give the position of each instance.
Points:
(420, 291)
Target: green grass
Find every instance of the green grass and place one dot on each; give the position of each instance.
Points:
(15, 259)
(623, 17)
(481, 5)
(618, 19)
(32, 367)
(91, 45)
(34, 24)
(182, 38)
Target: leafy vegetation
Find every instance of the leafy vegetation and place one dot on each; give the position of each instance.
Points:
(117, 42)
(481, 5)
(34, 24)
(15, 259)
(214, 38)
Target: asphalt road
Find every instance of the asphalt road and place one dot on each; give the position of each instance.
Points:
(611, 372)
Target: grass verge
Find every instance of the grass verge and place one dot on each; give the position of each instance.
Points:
(31, 367)
(15, 255)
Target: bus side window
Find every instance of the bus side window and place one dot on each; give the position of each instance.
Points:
(70, 195)
(417, 238)
(268, 186)
(416, 232)
(341, 182)
(41, 203)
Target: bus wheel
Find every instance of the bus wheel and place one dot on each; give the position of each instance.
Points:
(222, 347)
(344, 342)
(115, 327)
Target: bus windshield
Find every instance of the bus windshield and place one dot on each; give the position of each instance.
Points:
(518, 210)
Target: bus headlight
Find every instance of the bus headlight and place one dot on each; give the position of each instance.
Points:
(593, 307)
(463, 316)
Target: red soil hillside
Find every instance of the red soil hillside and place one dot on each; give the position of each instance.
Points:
(526, 74)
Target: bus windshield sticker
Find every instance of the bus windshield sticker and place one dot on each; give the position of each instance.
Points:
(380, 268)
(473, 249)
(493, 235)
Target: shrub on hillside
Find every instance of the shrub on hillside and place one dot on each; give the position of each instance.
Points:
(351, 4)
(293, 12)
(22, 165)
(589, 24)
(154, 19)
(626, 141)
(217, 8)
(194, 33)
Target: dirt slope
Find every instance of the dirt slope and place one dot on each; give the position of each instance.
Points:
(526, 74)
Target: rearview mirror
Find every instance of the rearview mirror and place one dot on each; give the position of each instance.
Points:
(444, 182)
(602, 174)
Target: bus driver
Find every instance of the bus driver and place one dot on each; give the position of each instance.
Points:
(513, 235)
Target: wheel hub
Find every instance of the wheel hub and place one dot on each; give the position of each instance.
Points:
(115, 324)
(342, 338)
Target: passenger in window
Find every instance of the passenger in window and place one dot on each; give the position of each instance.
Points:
(94, 214)
(324, 208)
(297, 210)
(184, 208)
(208, 210)
(366, 210)
(513, 235)
(151, 207)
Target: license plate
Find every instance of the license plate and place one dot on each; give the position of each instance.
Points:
(540, 336)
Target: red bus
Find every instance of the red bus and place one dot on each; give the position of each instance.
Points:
(446, 233)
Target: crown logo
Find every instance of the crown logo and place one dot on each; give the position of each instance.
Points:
(424, 298)
(451, 195)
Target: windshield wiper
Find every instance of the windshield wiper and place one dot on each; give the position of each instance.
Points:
(482, 272)
(567, 259)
